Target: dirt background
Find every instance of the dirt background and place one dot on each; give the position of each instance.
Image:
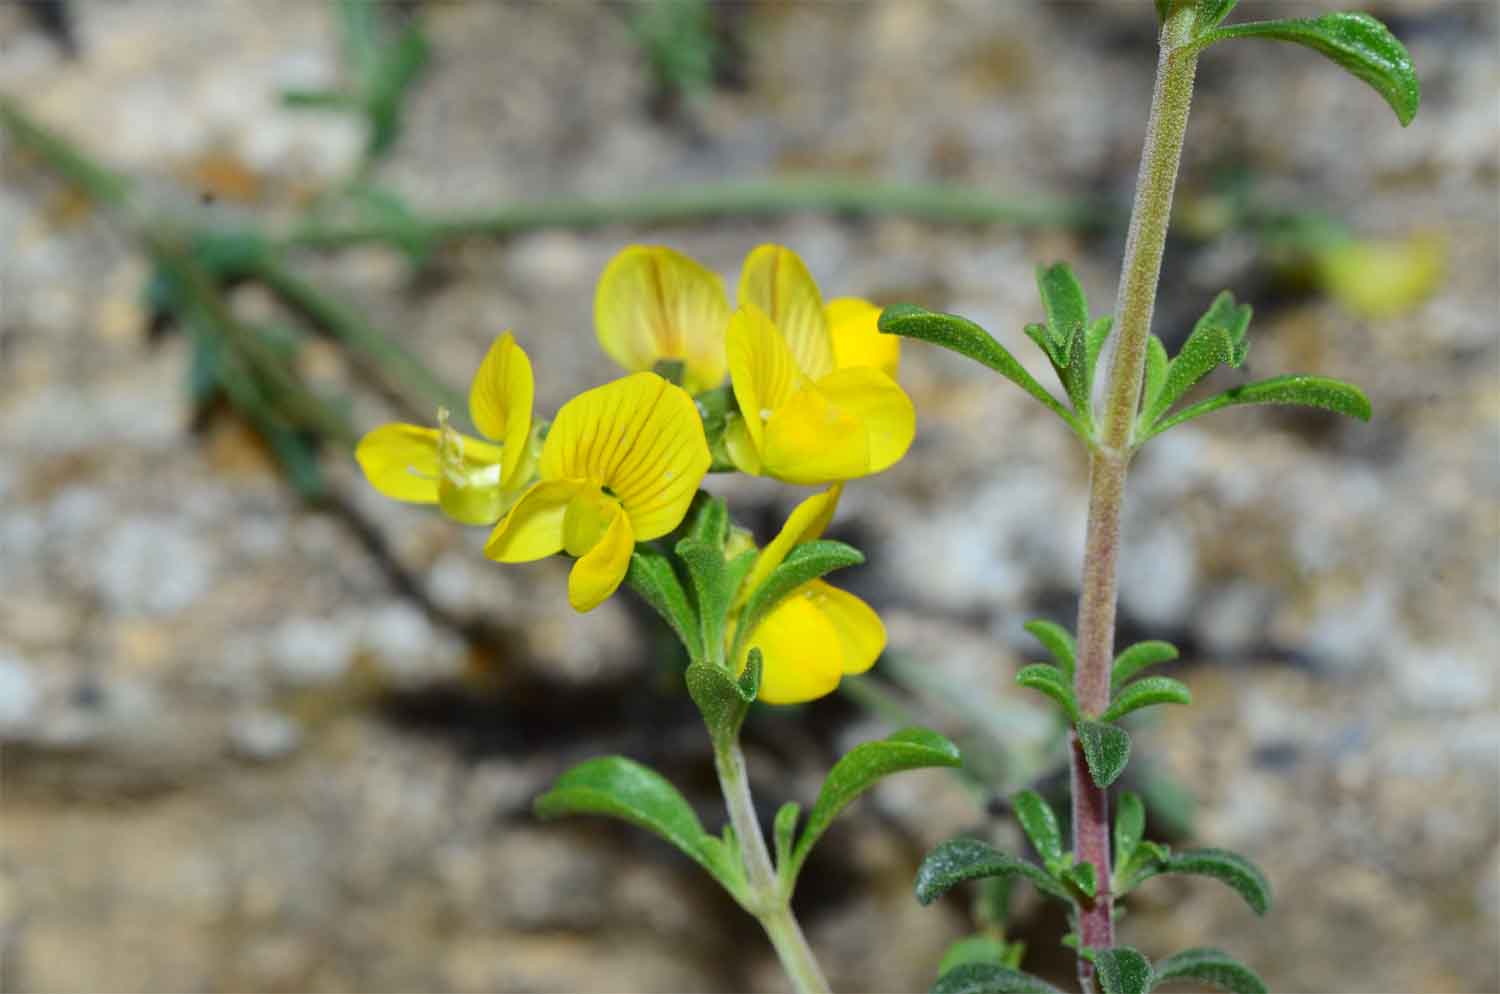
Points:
(240, 754)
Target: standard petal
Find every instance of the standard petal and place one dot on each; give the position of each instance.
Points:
(884, 409)
(854, 326)
(500, 399)
(761, 367)
(775, 280)
(653, 303)
(860, 630)
(800, 651)
(810, 440)
(598, 573)
(534, 527)
(741, 447)
(807, 521)
(402, 462)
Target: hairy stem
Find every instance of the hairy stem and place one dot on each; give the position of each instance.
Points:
(769, 902)
(1108, 462)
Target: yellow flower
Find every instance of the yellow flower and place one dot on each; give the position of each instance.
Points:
(472, 481)
(817, 633)
(653, 304)
(816, 398)
(620, 465)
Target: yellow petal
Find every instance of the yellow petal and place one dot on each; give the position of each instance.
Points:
(775, 280)
(854, 326)
(401, 462)
(653, 303)
(807, 521)
(860, 630)
(500, 402)
(469, 490)
(810, 440)
(800, 652)
(882, 407)
(589, 515)
(534, 527)
(741, 447)
(598, 573)
(639, 436)
(763, 372)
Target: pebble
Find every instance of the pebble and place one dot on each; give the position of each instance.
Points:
(20, 697)
(264, 736)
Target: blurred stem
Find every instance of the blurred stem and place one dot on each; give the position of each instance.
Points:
(769, 902)
(1140, 273)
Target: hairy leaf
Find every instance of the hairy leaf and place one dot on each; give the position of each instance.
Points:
(1081, 875)
(1123, 970)
(962, 859)
(651, 575)
(1144, 693)
(1210, 966)
(1040, 823)
(1156, 372)
(990, 978)
(1106, 749)
(723, 700)
(1098, 334)
(1227, 867)
(1058, 641)
(1137, 657)
(1049, 680)
(1130, 826)
(1306, 391)
(784, 832)
(975, 949)
(1217, 339)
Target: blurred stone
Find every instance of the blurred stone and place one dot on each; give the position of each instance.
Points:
(264, 736)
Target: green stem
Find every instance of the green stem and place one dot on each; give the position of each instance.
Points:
(769, 901)
(1110, 455)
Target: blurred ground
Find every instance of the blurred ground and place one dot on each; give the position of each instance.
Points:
(237, 758)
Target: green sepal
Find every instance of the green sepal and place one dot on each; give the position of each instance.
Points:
(652, 576)
(1123, 970)
(1082, 877)
(1049, 680)
(1210, 966)
(1106, 749)
(1144, 693)
(1358, 42)
(1306, 391)
(957, 860)
(807, 562)
(1137, 657)
(1227, 867)
(1130, 828)
(859, 770)
(1098, 334)
(980, 948)
(722, 699)
(784, 835)
(1039, 822)
(622, 788)
(966, 338)
(1218, 339)
(990, 978)
(1058, 641)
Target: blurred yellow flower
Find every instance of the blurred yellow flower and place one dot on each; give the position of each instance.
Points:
(471, 480)
(620, 465)
(814, 385)
(817, 633)
(1380, 279)
(654, 304)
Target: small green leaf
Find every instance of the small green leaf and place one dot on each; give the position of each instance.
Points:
(1130, 826)
(1049, 680)
(1156, 372)
(1356, 41)
(715, 583)
(1137, 657)
(1040, 824)
(1144, 693)
(1227, 867)
(651, 575)
(808, 561)
(1098, 334)
(990, 978)
(1106, 748)
(622, 788)
(723, 700)
(1058, 641)
(1217, 339)
(1075, 376)
(1123, 970)
(708, 520)
(1307, 391)
(784, 832)
(962, 859)
(1211, 12)
(974, 949)
(967, 338)
(1210, 966)
(1066, 307)
(1082, 876)
(861, 768)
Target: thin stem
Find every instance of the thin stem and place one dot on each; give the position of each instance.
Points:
(768, 901)
(1140, 272)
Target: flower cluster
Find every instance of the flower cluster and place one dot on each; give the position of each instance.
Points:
(814, 401)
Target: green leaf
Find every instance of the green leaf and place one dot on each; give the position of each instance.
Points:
(1210, 966)
(1356, 41)
(1066, 307)
(622, 788)
(962, 859)
(1106, 748)
(1130, 827)
(1156, 372)
(651, 575)
(975, 949)
(1144, 693)
(1098, 334)
(1040, 824)
(990, 978)
(1075, 376)
(723, 700)
(1227, 867)
(1217, 339)
(1137, 657)
(1308, 391)
(708, 520)
(1081, 876)
(1211, 12)
(1049, 680)
(967, 338)
(808, 561)
(1058, 641)
(1123, 970)
(859, 770)
(784, 832)
(715, 583)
